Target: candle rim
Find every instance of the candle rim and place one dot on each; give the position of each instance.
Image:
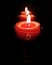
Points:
(26, 16)
(20, 23)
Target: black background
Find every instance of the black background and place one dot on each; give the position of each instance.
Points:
(13, 47)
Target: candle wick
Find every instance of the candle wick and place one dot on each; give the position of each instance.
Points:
(28, 24)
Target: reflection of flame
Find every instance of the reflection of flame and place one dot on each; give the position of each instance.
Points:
(28, 19)
(28, 36)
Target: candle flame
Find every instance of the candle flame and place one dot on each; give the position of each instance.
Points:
(26, 10)
(28, 16)
(27, 13)
(28, 19)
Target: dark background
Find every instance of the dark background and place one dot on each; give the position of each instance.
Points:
(14, 49)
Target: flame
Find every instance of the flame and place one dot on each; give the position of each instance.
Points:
(28, 19)
(26, 9)
(28, 16)
(27, 13)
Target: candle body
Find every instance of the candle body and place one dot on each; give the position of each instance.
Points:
(27, 33)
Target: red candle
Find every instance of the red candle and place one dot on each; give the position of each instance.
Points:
(27, 30)
(23, 15)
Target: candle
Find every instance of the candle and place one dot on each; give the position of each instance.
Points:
(23, 15)
(26, 11)
(27, 30)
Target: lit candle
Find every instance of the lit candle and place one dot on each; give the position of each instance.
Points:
(26, 10)
(27, 30)
(23, 15)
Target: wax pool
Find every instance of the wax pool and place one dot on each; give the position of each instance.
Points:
(27, 32)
